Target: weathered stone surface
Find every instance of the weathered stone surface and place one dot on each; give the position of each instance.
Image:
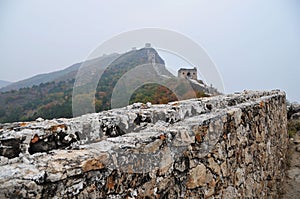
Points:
(10, 148)
(224, 169)
(295, 116)
(214, 166)
(196, 177)
(229, 192)
(290, 188)
(95, 163)
(230, 146)
(293, 111)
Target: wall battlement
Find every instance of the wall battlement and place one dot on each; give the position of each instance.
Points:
(224, 147)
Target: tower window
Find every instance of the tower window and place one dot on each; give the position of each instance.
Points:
(188, 74)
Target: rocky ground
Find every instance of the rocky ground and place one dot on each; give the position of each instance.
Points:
(291, 185)
(291, 188)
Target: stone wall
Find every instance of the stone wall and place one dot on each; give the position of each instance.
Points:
(230, 146)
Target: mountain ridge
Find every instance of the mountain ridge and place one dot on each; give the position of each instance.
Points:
(60, 75)
(4, 83)
(53, 99)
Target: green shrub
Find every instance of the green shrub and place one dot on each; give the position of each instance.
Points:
(293, 127)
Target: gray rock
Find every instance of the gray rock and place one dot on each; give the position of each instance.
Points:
(295, 116)
(293, 111)
(39, 119)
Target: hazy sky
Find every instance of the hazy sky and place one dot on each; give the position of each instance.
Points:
(254, 43)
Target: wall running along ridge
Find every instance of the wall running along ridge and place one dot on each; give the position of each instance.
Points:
(220, 147)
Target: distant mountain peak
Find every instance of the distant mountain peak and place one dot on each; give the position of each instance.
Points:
(68, 73)
(4, 83)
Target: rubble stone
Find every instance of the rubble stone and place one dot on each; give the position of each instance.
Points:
(197, 177)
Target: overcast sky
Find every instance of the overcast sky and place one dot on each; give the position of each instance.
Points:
(255, 44)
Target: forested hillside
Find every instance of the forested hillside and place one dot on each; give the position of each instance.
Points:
(54, 99)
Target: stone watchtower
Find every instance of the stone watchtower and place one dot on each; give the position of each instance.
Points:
(188, 73)
(147, 45)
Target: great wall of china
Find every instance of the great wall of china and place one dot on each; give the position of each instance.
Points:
(229, 146)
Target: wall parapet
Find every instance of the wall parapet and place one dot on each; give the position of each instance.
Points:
(224, 147)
